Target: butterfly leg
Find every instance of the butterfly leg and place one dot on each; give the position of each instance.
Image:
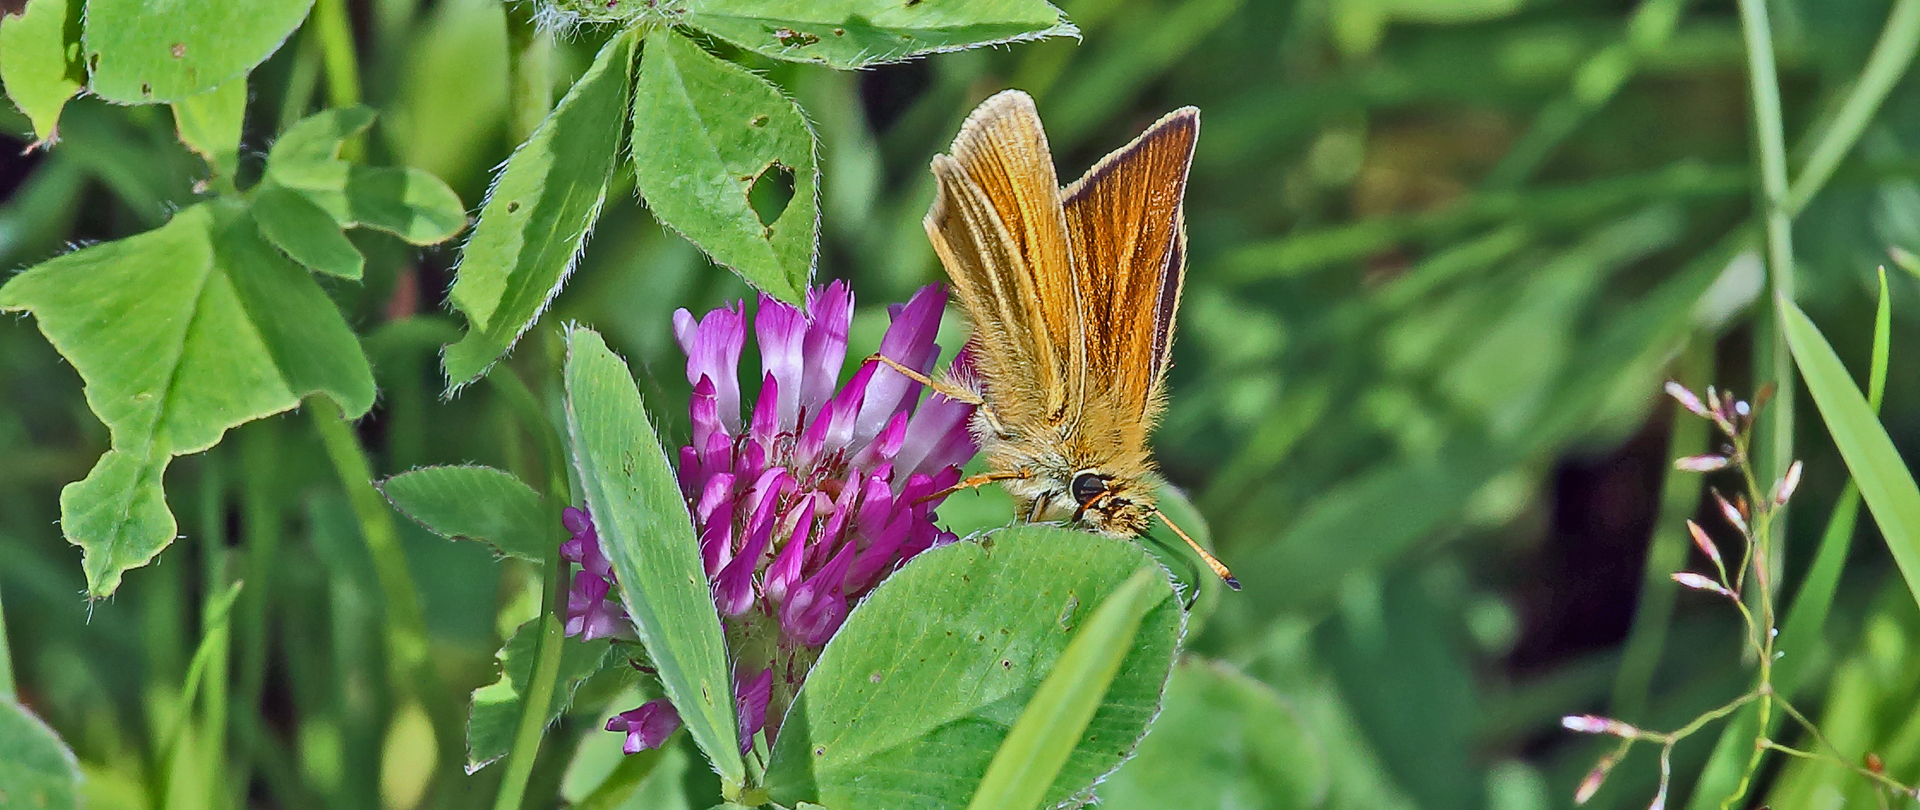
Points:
(978, 481)
(947, 390)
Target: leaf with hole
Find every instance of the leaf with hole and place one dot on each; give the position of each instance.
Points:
(538, 214)
(647, 534)
(918, 690)
(849, 34)
(180, 333)
(477, 503)
(715, 151)
(142, 52)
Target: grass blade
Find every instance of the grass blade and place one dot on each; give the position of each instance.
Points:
(1816, 592)
(1885, 483)
(1051, 725)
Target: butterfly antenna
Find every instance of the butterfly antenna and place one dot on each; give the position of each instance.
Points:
(1219, 568)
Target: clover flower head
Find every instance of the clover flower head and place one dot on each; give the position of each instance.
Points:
(802, 503)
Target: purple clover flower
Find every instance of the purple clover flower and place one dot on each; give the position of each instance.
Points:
(802, 505)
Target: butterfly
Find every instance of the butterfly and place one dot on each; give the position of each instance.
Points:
(1072, 294)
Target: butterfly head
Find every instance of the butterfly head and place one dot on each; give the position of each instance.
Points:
(1111, 505)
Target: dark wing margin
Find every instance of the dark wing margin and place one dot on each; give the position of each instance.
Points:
(998, 225)
(1169, 305)
(1127, 228)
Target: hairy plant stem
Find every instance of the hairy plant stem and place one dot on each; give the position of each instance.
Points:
(542, 683)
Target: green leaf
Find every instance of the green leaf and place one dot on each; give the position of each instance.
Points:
(409, 203)
(209, 124)
(180, 333)
(1049, 728)
(705, 131)
(40, 61)
(910, 700)
(479, 503)
(141, 52)
(1885, 484)
(307, 155)
(539, 212)
(856, 33)
(496, 706)
(37, 770)
(308, 234)
(1222, 740)
(646, 532)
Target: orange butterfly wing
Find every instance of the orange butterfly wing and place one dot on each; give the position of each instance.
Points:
(998, 226)
(1127, 229)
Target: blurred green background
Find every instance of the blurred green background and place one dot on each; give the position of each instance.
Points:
(1443, 255)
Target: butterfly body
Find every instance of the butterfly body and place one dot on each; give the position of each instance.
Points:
(1072, 294)
(1072, 474)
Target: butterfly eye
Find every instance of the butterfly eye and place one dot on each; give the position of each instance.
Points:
(1087, 486)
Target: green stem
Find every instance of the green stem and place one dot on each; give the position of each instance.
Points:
(259, 459)
(538, 698)
(302, 77)
(342, 61)
(217, 685)
(1885, 65)
(546, 671)
(1776, 365)
(1835, 138)
(407, 635)
(1679, 498)
(529, 71)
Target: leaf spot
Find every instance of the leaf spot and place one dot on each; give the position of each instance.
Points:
(758, 121)
(820, 752)
(513, 206)
(179, 50)
(1006, 663)
(875, 677)
(791, 38)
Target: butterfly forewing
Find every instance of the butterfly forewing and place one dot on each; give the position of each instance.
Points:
(1127, 234)
(998, 226)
